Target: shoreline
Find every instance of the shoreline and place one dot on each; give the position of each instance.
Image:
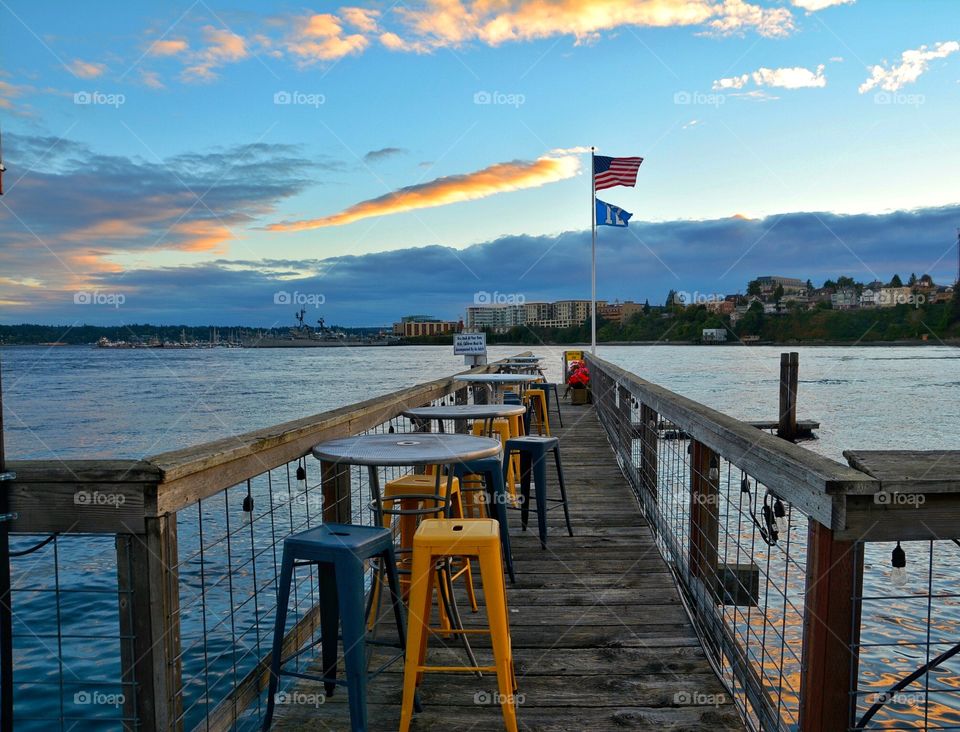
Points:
(950, 342)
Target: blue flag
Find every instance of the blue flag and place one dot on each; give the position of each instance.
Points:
(610, 215)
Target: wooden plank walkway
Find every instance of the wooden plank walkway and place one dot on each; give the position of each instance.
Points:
(600, 639)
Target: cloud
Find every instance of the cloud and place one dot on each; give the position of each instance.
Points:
(814, 5)
(151, 79)
(9, 92)
(738, 16)
(223, 47)
(74, 212)
(363, 19)
(375, 156)
(167, 47)
(912, 64)
(499, 178)
(320, 37)
(644, 261)
(793, 77)
(86, 69)
(439, 23)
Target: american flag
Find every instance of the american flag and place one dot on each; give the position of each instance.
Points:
(609, 172)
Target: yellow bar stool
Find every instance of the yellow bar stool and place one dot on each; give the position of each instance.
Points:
(437, 539)
(406, 529)
(537, 399)
(503, 431)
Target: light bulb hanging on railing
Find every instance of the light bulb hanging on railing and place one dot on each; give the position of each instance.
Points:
(781, 518)
(301, 470)
(247, 508)
(714, 469)
(898, 560)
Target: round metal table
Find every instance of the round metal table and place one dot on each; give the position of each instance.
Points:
(486, 412)
(412, 449)
(495, 381)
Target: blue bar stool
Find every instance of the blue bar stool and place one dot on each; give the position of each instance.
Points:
(551, 388)
(339, 551)
(533, 454)
(492, 472)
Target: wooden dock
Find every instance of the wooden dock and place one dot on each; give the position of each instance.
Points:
(600, 639)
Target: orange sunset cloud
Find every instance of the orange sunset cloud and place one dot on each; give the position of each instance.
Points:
(498, 178)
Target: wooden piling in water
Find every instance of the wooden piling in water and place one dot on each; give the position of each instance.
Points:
(789, 376)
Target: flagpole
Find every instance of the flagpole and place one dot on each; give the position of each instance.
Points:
(593, 256)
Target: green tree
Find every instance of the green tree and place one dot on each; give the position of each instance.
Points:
(955, 304)
(753, 287)
(778, 293)
(896, 281)
(913, 279)
(670, 297)
(809, 286)
(646, 306)
(845, 281)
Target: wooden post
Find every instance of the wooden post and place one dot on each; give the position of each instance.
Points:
(831, 629)
(648, 449)
(337, 499)
(704, 514)
(460, 397)
(149, 601)
(789, 374)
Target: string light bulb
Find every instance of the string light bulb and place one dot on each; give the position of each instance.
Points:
(714, 469)
(898, 560)
(247, 508)
(780, 517)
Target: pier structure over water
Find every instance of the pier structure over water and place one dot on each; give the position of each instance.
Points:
(716, 579)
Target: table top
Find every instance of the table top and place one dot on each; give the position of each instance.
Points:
(405, 449)
(467, 411)
(497, 378)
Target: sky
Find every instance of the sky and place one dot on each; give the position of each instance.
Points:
(201, 163)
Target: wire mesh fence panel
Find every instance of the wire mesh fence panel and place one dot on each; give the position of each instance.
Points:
(69, 599)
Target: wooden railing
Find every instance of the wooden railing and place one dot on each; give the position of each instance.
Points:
(779, 612)
(196, 511)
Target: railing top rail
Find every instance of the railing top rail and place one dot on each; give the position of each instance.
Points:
(809, 481)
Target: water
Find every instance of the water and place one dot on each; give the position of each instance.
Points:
(93, 403)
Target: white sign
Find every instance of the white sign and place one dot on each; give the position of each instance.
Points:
(470, 344)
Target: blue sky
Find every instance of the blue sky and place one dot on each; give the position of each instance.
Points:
(199, 157)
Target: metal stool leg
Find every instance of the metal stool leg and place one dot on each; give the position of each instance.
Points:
(351, 605)
(283, 599)
(540, 488)
(329, 624)
(563, 489)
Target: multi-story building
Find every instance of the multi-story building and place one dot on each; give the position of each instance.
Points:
(629, 309)
(412, 326)
(536, 311)
(610, 311)
(868, 298)
(791, 285)
(720, 307)
(561, 314)
(844, 299)
(891, 296)
(498, 318)
(568, 313)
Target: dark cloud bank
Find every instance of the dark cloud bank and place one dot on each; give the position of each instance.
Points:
(644, 262)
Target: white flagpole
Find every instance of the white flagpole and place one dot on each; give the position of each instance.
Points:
(593, 257)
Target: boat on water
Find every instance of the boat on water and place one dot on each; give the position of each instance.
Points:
(303, 335)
